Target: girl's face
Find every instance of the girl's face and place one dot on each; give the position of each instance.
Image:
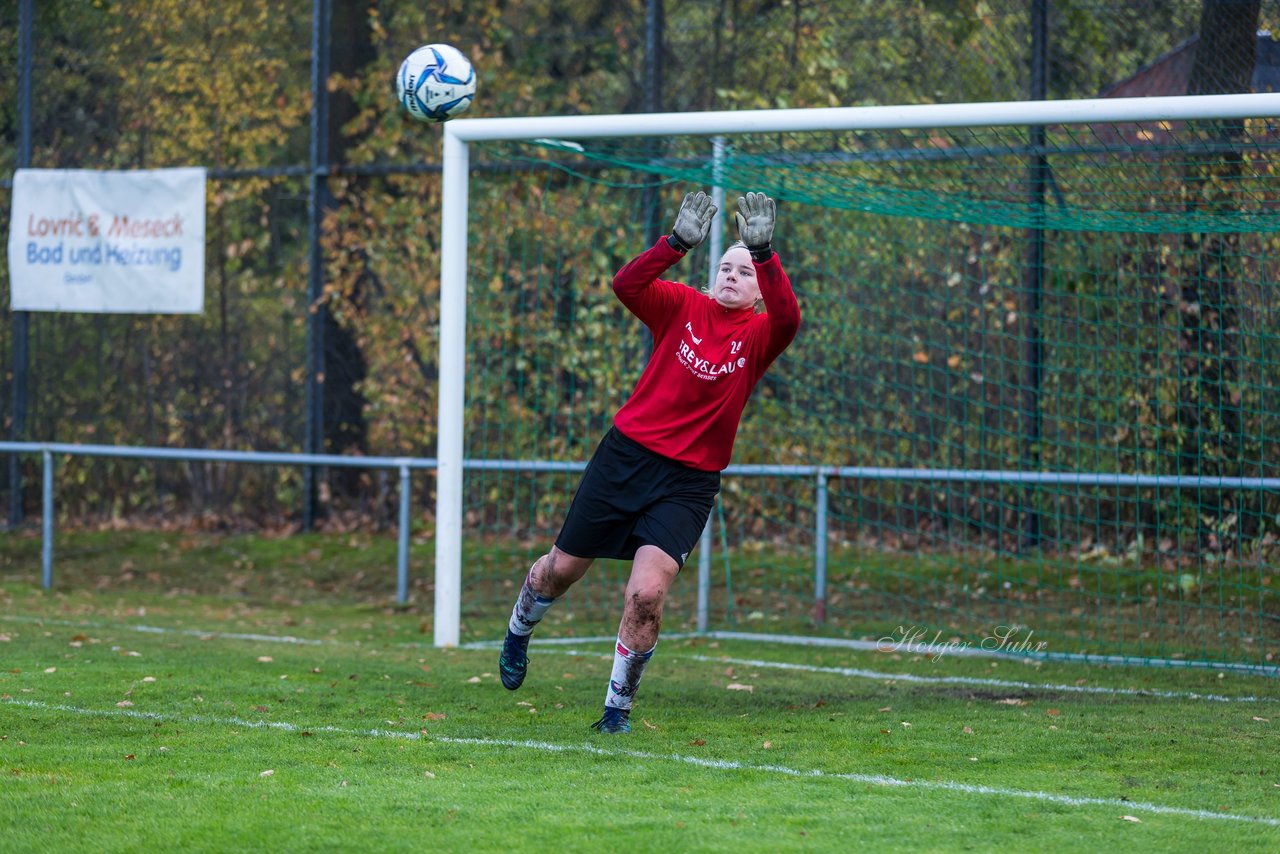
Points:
(736, 285)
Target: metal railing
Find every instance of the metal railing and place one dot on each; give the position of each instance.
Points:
(820, 474)
(47, 451)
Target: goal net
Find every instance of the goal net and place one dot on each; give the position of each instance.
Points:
(1032, 405)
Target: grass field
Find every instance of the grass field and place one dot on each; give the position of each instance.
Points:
(198, 709)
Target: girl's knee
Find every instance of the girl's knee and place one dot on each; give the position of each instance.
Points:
(555, 572)
(644, 605)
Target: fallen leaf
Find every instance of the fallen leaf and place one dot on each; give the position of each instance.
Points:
(130, 756)
(642, 720)
(265, 658)
(907, 725)
(268, 773)
(698, 742)
(1011, 701)
(124, 704)
(474, 679)
(428, 775)
(738, 686)
(148, 678)
(885, 709)
(1053, 712)
(968, 730)
(434, 716)
(885, 731)
(1131, 818)
(767, 745)
(1255, 717)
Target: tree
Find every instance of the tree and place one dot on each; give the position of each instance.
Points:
(345, 364)
(1209, 406)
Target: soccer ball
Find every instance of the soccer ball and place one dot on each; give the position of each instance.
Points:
(436, 82)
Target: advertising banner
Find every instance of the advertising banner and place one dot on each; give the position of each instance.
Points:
(98, 241)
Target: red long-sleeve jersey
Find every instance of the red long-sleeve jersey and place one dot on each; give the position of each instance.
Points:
(706, 358)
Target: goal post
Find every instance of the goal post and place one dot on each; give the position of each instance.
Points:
(453, 321)
(460, 135)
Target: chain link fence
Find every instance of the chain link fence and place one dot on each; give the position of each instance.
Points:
(230, 86)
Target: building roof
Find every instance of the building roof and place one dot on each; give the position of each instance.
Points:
(1170, 74)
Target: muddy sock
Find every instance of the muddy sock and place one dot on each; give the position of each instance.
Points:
(528, 611)
(628, 667)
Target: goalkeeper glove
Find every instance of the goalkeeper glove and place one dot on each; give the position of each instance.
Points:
(693, 223)
(756, 216)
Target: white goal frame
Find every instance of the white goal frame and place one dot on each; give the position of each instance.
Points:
(459, 133)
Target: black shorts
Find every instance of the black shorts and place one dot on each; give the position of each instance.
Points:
(631, 497)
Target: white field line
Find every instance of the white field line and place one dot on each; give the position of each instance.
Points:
(980, 651)
(883, 676)
(852, 672)
(160, 630)
(961, 650)
(1005, 684)
(713, 764)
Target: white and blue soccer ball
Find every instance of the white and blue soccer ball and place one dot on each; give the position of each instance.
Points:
(436, 82)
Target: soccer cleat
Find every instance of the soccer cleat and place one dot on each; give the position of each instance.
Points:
(613, 720)
(513, 663)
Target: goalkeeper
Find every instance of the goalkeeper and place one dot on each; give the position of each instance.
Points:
(651, 484)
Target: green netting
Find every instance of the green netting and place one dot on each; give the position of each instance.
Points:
(1145, 343)
(1163, 177)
